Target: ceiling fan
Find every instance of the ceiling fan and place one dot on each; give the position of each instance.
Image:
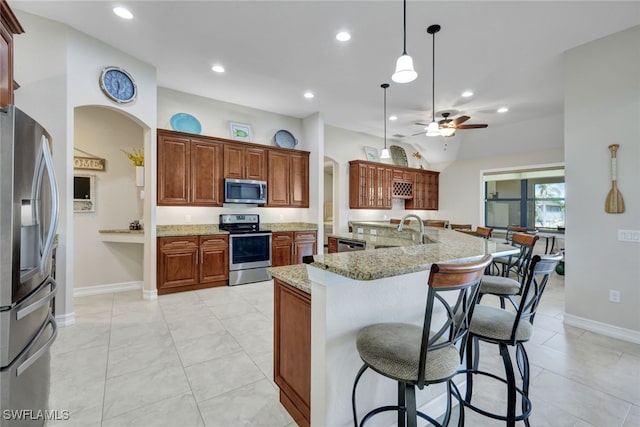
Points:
(449, 126)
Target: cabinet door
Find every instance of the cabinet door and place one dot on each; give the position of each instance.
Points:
(371, 186)
(281, 248)
(299, 180)
(292, 350)
(206, 173)
(174, 170)
(233, 161)
(214, 259)
(332, 245)
(255, 164)
(304, 243)
(387, 189)
(433, 179)
(177, 263)
(358, 196)
(278, 184)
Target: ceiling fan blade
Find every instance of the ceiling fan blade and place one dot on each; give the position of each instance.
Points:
(460, 120)
(479, 126)
(421, 124)
(419, 133)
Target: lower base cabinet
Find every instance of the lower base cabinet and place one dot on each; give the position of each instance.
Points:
(292, 350)
(289, 247)
(188, 263)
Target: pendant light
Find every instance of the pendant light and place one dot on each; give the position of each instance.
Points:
(433, 129)
(404, 66)
(385, 152)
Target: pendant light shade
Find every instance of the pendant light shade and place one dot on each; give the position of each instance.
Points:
(446, 131)
(404, 70)
(404, 66)
(385, 152)
(433, 128)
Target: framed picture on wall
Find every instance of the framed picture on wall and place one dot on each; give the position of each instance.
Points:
(240, 131)
(371, 154)
(84, 192)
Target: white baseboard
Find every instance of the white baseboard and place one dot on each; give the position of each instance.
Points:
(603, 328)
(64, 320)
(150, 295)
(107, 289)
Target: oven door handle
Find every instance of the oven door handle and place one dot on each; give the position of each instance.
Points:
(244, 235)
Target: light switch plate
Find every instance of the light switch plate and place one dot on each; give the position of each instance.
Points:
(629, 236)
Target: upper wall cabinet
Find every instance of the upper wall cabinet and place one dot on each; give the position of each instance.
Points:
(9, 26)
(242, 162)
(288, 182)
(373, 186)
(189, 170)
(192, 169)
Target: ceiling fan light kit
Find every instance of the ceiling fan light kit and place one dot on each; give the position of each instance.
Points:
(405, 72)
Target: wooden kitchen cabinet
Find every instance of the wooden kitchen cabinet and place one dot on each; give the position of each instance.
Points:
(9, 26)
(332, 245)
(214, 260)
(288, 181)
(177, 264)
(292, 350)
(242, 162)
(187, 263)
(370, 185)
(288, 247)
(189, 170)
(281, 248)
(425, 191)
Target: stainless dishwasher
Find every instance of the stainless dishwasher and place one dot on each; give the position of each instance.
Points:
(350, 245)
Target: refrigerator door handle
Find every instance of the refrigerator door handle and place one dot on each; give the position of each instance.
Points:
(24, 312)
(38, 354)
(55, 209)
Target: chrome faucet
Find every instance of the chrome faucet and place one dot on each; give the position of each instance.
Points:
(419, 222)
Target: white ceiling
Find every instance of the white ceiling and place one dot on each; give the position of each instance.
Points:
(508, 53)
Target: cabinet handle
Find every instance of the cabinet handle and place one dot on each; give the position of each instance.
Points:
(197, 257)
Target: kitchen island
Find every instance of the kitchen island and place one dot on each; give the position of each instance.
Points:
(348, 291)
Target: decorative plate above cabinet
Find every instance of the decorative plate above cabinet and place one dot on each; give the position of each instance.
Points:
(285, 139)
(398, 155)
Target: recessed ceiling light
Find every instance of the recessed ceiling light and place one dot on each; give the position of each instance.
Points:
(393, 117)
(309, 95)
(218, 68)
(343, 36)
(467, 93)
(123, 13)
(503, 110)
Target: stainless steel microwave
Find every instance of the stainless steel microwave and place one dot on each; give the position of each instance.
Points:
(245, 191)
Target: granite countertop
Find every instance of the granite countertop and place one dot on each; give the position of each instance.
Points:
(121, 231)
(374, 242)
(449, 246)
(207, 229)
(295, 275)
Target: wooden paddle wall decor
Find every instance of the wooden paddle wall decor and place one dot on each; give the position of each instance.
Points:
(614, 202)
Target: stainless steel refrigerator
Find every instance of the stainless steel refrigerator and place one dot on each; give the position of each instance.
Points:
(28, 222)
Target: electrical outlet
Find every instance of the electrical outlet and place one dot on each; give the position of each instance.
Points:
(629, 236)
(373, 231)
(614, 295)
(360, 230)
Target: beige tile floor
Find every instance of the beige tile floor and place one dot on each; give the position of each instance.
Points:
(204, 358)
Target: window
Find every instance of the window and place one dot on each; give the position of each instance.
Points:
(532, 199)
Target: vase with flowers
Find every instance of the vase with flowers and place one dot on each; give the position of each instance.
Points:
(418, 156)
(137, 158)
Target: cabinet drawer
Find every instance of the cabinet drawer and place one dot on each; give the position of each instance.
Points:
(177, 242)
(215, 240)
(305, 235)
(282, 236)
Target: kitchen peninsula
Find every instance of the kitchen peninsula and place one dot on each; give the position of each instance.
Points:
(318, 314)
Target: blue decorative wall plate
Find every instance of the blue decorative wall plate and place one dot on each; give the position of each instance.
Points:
(183, 122)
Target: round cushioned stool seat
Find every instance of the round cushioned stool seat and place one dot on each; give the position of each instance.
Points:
(496, 323)
(498, 285)
(393, 349)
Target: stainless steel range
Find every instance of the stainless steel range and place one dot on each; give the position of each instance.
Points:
(249, 248)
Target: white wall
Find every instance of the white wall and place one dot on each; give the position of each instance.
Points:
(214, 116)
(461, 184)
(602, 107)
(104, 133)
(58, 69)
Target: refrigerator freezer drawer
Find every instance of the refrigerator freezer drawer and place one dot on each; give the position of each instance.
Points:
(21, 323)
(24, 385)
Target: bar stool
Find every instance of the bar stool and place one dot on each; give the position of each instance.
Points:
(417, 356)
(484, 232)
(434, 223)
(508, 328)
